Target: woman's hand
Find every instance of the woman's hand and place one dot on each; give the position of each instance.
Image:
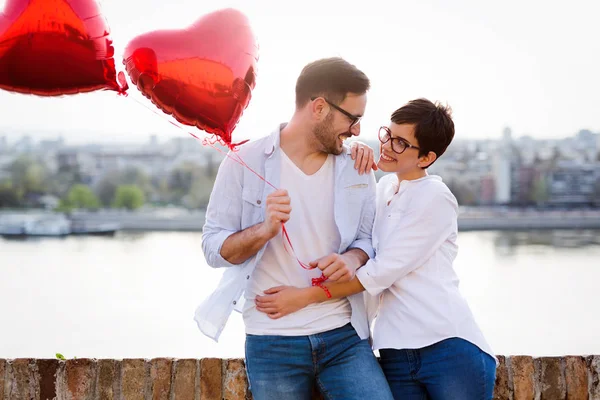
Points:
(282, 300)
(363, 157)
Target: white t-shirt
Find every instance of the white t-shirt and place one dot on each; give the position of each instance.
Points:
(414, 237)
(314, 234)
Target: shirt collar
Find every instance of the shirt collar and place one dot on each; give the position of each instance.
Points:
(273, 141)
(427, 177)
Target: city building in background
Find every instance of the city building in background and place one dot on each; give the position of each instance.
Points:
(509, 172)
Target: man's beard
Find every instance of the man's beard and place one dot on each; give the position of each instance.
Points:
(325, 136)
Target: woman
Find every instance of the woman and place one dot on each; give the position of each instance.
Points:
(429, 343)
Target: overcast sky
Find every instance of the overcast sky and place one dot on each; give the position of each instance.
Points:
(529, 64)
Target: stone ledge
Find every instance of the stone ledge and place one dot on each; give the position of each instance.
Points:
(517, 378)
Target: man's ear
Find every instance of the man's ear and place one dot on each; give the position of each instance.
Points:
(318, 108)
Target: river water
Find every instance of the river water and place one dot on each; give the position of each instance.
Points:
(134, 295)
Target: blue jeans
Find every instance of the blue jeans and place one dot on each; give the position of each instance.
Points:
(451, 369)
(341, 365)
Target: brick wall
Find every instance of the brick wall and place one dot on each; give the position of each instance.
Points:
(518, 377)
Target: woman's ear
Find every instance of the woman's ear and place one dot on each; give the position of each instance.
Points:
(426, 160)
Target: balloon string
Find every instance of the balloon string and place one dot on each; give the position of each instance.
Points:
(284, 232)
(239, 160)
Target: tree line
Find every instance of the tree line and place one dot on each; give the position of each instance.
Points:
(26, 182)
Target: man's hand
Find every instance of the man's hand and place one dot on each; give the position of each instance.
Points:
(278, 211)
(242, 245)
(363, 157)
(336, 267)
(282, 300)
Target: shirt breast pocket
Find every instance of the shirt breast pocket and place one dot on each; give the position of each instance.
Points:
(252, 207)
(396, 214)
(356, 192)
(354, 198)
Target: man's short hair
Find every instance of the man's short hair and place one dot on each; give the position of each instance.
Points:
(332, 78)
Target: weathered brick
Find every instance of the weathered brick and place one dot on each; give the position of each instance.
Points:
(593, 363)
(235, 381)
(576, 375)
(23, 383)
(552, 379)
(133, 383)
(160, 374)
(211, 384)
(523, 377)
(501, 389)
(107, 376)
(47, 371)
(33, 379)
(184, 383)
(80, 375)
(2, 377)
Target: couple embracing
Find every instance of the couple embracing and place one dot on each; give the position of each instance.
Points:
(380, 254)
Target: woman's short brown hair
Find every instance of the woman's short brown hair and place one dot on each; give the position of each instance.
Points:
(433, 125)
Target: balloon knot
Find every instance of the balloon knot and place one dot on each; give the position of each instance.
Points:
(123, 86)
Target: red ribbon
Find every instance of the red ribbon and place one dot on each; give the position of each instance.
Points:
(234, 148)
(315, 281)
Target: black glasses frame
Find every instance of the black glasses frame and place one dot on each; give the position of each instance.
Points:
(397, 143)
(355, 119)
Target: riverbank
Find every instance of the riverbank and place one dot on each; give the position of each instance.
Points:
(470, 219)
(517, 377)
(479, 219)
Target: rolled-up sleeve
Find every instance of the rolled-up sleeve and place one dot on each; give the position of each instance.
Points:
(416, 236)
(223, 214)
(363, 240)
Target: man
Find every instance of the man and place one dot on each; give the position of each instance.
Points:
(328, 210)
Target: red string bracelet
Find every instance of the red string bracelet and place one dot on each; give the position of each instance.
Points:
(319, 282)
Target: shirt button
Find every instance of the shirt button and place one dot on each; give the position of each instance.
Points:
(258, 201)
(234, 302)
(247, 276)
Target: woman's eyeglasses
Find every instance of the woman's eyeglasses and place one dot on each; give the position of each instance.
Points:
(399, 145)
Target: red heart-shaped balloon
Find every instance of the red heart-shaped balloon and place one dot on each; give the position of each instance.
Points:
(55, 47)
(202, 75)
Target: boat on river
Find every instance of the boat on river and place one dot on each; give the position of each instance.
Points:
(50, 225)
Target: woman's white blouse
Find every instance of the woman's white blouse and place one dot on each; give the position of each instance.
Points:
(412, 275)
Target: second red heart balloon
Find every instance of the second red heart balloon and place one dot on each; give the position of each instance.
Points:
(202, 75)
(55, 47)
